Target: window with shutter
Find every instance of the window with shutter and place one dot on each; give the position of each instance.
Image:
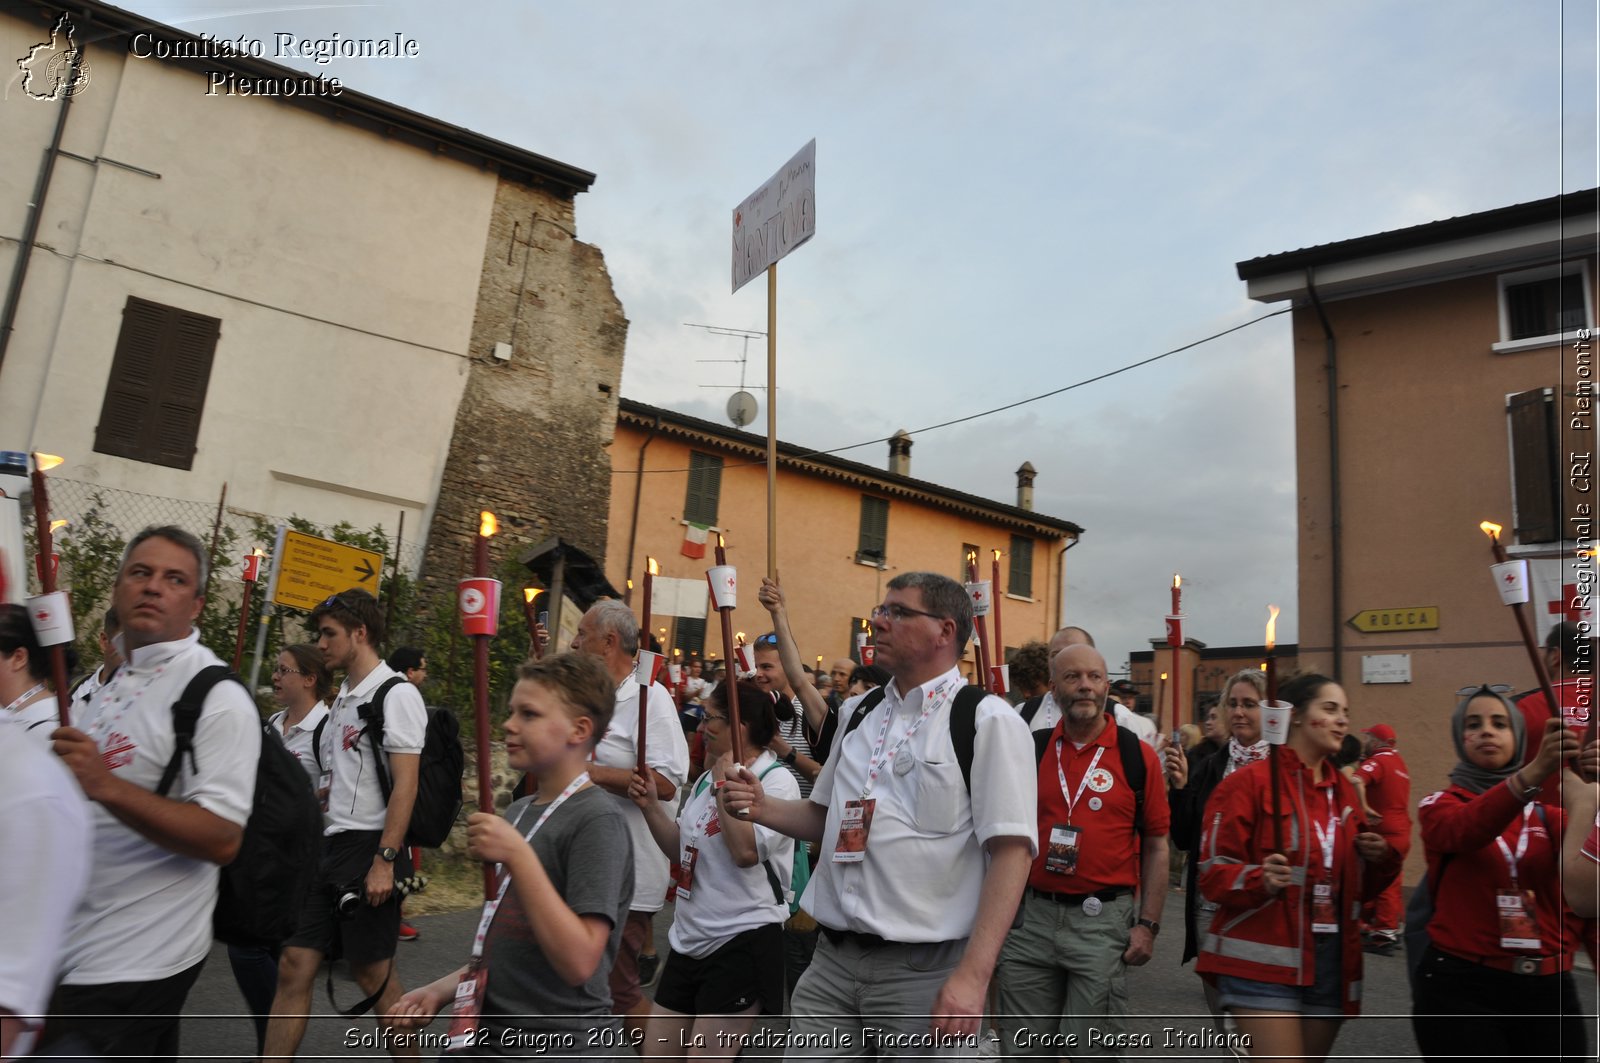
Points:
(157, 389)
(689, 635)
(705, 488)
(1020, 582)
(873, 543)
(1535, 465)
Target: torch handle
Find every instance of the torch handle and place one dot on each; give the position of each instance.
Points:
(244, 621)
(1277, 802)
(643, 766)
(58, 676)
(480, 705)
(731, 685)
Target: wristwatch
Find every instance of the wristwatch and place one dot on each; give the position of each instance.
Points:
(389, 855)
(789, 758)
(1150, 925)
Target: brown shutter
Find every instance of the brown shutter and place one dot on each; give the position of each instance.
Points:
(1535, 475)
(157, 389)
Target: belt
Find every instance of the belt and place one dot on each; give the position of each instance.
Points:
(855, 937)
(1523, 965)
(1078, 898)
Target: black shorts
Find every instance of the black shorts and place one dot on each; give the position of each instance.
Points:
(747, 970)
(118, 1019)
(368, 934)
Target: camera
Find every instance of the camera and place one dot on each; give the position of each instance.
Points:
(349, 899)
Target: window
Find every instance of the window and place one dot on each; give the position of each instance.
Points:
(1546, 302)
(873, 544)
(1021, 581)
(1535, 465)
(689, 635)
(157, 388)
(705, 488)
(968, 551)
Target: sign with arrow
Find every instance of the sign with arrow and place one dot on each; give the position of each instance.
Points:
(310, 569)
(1406, 618)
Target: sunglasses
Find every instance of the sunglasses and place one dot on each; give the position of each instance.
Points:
(1497, 688)
(767, 640)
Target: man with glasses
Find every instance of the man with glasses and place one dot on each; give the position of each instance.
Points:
(363, 844)
(912, 912)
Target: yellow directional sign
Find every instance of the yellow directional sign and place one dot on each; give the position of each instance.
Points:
(310, 569)
(1409, 618)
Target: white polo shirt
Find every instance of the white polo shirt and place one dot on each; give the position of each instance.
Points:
(146, 913)
(355, 797)
(302, 737)
(924, 865)
(1143, 728)
(666, 751)
(726, 899)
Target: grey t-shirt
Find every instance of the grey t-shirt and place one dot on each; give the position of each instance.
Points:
(585, 850)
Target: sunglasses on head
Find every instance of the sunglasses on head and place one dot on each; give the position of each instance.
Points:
(1484, 688)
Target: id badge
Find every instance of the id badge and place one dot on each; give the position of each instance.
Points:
(1061, 858)
(1519, 928)
(683, 874)
(464, 1032)
(854, 823)
(1324, 915)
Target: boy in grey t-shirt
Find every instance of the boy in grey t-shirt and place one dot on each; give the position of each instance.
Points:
(538, 985)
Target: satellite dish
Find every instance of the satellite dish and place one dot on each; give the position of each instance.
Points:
(741, 408)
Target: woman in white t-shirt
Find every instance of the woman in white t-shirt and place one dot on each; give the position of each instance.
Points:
(303, 685)
(27, 696)
(732, 881)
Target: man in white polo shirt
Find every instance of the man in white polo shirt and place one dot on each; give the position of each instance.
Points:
(142, 932)
(363, 845)
(912, 913)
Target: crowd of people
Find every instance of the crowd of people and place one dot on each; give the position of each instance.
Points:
(900, 863)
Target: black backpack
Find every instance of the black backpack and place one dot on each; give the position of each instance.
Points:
(1132, 766)
(439, 769)
(263, 889)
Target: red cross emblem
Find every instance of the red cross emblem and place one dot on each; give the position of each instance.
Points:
(1562, 607)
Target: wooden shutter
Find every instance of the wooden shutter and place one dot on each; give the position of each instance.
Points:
(705, 488)
(1535, 472)
(157, 389)
(873, 542)
(1021, 579)
(689, 635)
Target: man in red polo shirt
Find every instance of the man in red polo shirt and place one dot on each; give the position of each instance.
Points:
(1062, 974)
(1385, 786)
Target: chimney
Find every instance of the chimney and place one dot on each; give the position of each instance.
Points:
(900, 453)
(1025, 486)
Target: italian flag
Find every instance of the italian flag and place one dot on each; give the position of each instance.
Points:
(694, 540)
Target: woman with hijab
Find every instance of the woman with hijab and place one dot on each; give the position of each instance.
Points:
(1241, 706)
(1495, 980)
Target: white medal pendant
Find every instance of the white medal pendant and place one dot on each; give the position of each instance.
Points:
(1092, 905)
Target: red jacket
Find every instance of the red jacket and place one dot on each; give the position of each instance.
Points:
(1268, 938)
(1463, 826)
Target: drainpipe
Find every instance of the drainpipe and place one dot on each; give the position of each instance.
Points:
(30, 230)
(638, 489)
(1061, 598)
(1335, 506)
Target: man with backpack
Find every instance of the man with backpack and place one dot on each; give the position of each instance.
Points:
(143, 929)
(917, 788)
(1097, 886)
(353, 908)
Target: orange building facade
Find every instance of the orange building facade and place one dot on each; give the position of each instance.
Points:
(845, 529)
(1443, 376)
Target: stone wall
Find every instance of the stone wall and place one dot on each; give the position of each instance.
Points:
(531, 433)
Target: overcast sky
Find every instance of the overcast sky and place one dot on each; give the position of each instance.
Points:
(1011, 197)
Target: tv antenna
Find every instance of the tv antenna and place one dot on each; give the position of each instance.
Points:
(742, 405)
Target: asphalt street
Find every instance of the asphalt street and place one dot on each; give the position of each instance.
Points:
(1169, 1011)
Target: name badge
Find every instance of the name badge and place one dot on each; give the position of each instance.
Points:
(683, 874)
(1324, 916)
(1061, 858)
(854, 822)
(464, 1031)
(1519, 927)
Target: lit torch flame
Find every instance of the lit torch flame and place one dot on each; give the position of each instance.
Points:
(46, 462)
(1491, 529)
(997, 555)
(650, 566)
(57, 525)
(529, 594)
(720, 541)
(1177, 581)
(1272, 627)
(740, 638)
(487, 525)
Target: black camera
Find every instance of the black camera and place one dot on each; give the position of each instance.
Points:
(349, 899)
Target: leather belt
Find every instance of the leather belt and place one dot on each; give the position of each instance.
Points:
(1078, 898)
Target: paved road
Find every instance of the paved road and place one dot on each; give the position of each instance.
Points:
(1164, 998)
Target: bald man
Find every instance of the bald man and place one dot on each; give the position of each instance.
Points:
(1042, 713)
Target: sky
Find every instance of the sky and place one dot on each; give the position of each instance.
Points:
(1012, 197)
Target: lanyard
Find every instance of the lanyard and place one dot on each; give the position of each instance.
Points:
(27, 696)
(100, 725)
(1522, 846)
(704, 819)
(491, 907)
(931, 703)
(1326, 838)
(1061, 776)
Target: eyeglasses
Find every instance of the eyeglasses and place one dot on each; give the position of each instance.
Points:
(1497, 688)
(900, 613)
(708, 718)
(281, 670)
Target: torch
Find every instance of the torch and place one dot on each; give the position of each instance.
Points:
(1175, 640)
(529, 596)
(980, 594)
(866, 652)
(1272, 660)
(479, 598)
(645, 671)
(1274, 725)
(723, 579)
(1002, 670)
(252, 572)
(52, 617)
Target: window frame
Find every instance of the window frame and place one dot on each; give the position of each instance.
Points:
(702, 465)
(864, 535)
(1022, 547)
(1506, 344)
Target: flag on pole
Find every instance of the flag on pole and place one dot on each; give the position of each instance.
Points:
(694, 539)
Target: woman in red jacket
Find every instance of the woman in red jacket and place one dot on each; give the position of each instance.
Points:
(1284, 948)
(1495, 978)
